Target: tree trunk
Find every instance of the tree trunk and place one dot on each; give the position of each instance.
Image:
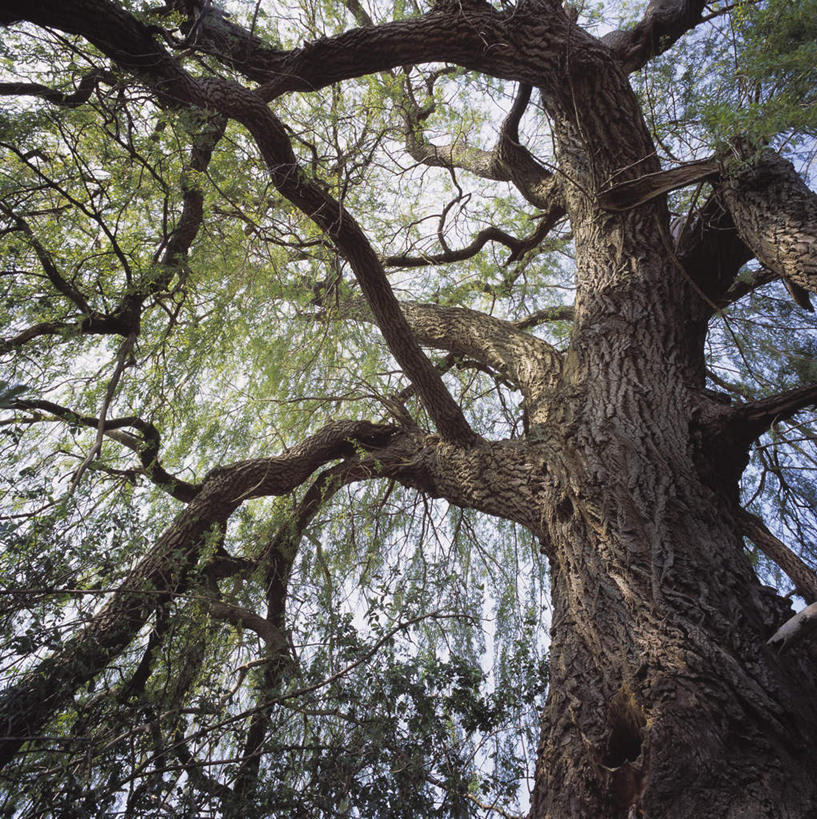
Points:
(664, 699)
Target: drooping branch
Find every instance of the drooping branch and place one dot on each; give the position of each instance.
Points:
(27, 703)
(125, 318)
(60, 283)
(350, 240)
(277, 557)
(123, 360)
(775, 213)
(132, 45)
(803, 577)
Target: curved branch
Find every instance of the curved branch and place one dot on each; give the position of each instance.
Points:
(76, 98)
(236, 615)
(477, 37)
(174, 258)
(291, 181)
(44, 328)
(128, 41)
(518, 248)
(509, 161)
(278, 556)
(147, 447)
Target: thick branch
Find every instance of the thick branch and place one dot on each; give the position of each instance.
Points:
(478, 37)
(664, 22)
(754, 418)
(776, 216)
(291, 181)
(804, 578)
(710, 250)
(727, 432)
(524, 360)
(530, 363)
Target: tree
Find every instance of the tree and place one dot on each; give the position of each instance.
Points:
(208, 220)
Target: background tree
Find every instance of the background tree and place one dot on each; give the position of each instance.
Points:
(226, 229)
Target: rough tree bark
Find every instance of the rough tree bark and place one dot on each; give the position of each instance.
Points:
(665, 700)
